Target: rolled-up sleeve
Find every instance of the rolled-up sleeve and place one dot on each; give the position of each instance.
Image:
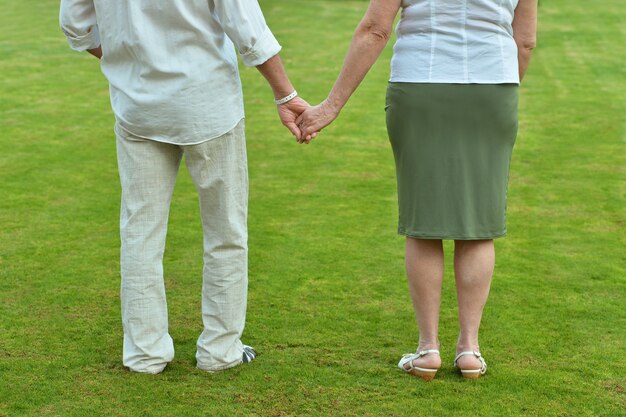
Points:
(78, 22)
(244, 24)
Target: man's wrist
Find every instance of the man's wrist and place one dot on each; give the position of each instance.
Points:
(286, 99)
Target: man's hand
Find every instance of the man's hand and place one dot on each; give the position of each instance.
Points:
(289, 112)
(97, 52)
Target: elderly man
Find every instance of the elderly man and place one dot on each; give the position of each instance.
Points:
(175, 91)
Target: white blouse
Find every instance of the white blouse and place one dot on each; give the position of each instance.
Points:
(455, 41)
(171, 64)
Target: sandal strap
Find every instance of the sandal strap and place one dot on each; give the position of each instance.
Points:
(476, 354)
(410, 357)
(421, 353)
(465, 353)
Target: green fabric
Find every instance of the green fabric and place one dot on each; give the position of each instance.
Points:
(452, 145)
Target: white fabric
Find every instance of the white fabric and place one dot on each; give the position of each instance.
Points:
(148, 172)
(455, 41)
(171, 64)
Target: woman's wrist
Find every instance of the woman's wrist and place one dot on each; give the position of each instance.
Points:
(332, 106)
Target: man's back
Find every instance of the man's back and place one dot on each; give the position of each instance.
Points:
(171, 66)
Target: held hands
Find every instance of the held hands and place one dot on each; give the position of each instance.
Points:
(291, 108)
(304, 121)
(314, 119)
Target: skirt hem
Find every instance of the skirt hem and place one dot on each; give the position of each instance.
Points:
(451, 236)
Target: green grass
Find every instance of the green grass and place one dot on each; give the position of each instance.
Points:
(329, 309)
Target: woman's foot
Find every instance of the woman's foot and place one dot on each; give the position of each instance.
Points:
(423, 364)
(470, 362)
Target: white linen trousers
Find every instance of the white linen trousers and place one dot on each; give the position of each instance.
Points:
(148, 171)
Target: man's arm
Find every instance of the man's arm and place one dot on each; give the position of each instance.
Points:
(245, 25)
(525, 32)
(277, 78)
(78, 22)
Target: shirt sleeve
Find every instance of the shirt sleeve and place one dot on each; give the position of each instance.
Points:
(244, 24)
(78, 22)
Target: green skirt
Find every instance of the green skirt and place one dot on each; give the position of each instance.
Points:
(452, 145)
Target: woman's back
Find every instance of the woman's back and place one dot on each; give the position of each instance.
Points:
(456, 41)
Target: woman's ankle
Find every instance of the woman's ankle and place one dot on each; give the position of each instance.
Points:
(428, 345)
(464, 344)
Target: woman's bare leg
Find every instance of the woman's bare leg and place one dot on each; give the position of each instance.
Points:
(473, 267)
(424, 267)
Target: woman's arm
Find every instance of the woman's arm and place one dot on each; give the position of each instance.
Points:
(368, 42)
(525, 32)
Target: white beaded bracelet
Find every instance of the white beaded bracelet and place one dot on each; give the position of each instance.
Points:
(286, 99)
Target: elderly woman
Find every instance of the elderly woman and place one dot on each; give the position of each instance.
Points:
(452, 122)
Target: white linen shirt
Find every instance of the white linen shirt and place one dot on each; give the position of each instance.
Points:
(171, 64)
(456, 41)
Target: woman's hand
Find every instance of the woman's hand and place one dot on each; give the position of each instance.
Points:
(525, 32)
(315, 119)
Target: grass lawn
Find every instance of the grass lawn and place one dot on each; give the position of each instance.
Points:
(329, 309)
